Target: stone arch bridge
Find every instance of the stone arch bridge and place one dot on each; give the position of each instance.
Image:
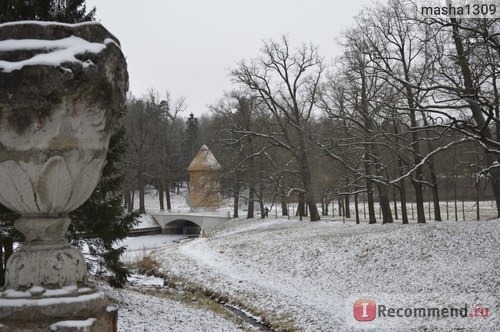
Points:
(190, 222)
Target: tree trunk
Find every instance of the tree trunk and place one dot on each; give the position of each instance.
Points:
(435, 198)
(142, 208)
(434, 187)
(160, 196)
(325, 205)
(383, 193)
(251, 203)
(433, 176)
(475, 106)
(395, 197)
(306, 180)
(372, 219)
(347, 209)
(463, 203)
(478, 188)
(341, 206)
(404, 212)
(261, 202)
(132, 200)
(356, 208)
(364, 208)
(417, 158)
(456, 204)
(419, 198)
(284, 206)
(167, 195)
(402, 183)
(236, 201)
(385, 205)
(128, 201)
(447, 210)
(301, 208)
(333, 209)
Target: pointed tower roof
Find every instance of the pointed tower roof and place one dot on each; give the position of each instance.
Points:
(204, 161)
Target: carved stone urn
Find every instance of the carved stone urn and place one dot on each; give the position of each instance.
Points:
(61, 89)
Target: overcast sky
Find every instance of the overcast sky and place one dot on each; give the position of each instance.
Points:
(187, 46)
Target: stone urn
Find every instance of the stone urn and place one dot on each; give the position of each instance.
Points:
(62, 88)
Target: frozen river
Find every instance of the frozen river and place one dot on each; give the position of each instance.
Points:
(141, 246)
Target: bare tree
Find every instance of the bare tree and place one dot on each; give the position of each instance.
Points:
(149, 131)
(287, 84)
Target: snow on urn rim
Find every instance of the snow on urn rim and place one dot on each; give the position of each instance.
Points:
(63, 86)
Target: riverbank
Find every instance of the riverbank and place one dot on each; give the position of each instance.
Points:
(153, 308)
(306, 276)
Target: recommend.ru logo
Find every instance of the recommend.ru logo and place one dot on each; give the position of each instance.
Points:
(365, 310)
(419, 310)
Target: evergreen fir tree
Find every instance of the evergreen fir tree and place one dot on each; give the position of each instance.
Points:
(191, 137)
(8, 235)
(68, 11)
(102, 220)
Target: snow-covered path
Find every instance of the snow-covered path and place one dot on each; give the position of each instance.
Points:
(303, 275)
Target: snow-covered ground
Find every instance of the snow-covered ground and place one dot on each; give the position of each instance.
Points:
(304, 275)
(307, 276)
(139, 247)
(148, 313)
(146, 221)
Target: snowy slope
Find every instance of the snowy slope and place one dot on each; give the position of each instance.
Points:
(307, 274)
(140, 312)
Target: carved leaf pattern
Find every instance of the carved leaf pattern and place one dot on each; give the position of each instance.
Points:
(17, 189)
(54, 186)
(85, 183)
(46, 268)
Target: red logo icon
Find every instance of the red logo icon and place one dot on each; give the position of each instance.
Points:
(365, 310)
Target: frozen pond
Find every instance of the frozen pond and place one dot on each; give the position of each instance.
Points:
(141, 246)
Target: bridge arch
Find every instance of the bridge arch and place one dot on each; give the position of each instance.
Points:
(182, 226)
(174, 222)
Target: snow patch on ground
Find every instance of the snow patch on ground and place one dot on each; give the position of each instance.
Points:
(139, 247)
(142, 280)
(146, 221)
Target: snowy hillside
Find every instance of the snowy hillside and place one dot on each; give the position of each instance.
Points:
(305, 276)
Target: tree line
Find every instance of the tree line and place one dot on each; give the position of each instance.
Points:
(409, 112)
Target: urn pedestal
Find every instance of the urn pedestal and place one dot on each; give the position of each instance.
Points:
(62, 87)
